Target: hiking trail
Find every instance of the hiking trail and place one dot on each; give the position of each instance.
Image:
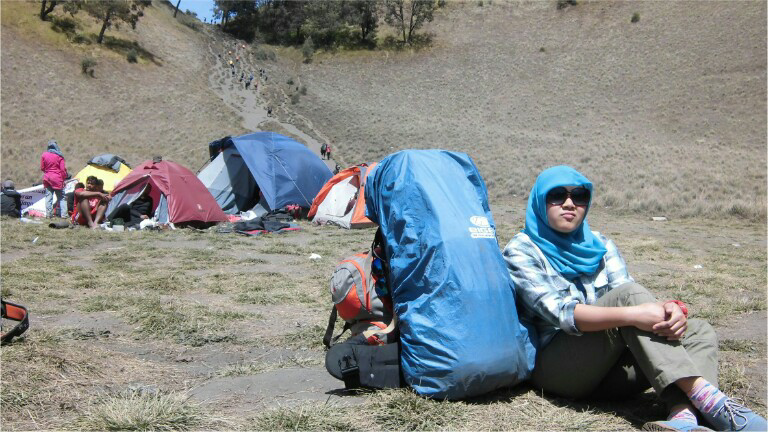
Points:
(251, 103)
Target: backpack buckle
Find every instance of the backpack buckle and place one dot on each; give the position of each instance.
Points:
(350, 372)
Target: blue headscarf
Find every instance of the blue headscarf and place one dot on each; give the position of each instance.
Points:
(53, 147)
(576, 253)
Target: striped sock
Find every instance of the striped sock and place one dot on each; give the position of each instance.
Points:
(705, 396)
(685, 415)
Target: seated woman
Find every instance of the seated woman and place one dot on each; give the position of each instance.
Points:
(600, 333)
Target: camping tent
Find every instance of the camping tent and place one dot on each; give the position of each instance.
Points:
(107, 167)
(342, 200)
(262, 167)
(177, 194)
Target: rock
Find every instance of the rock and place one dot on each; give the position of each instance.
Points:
(698, 266)
(659, 219)
(314, 257)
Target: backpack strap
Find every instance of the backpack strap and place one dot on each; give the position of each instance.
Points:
(328, 338)
(14, 312)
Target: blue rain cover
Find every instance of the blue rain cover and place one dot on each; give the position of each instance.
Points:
(451, 291)
(286, 171)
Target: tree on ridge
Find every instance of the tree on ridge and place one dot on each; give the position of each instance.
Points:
(408, 15)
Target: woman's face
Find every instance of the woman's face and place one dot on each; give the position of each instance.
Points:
(565, 217)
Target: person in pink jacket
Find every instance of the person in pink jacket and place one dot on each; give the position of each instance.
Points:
(54, 172)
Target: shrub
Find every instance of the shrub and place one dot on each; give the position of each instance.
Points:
(303, 90)
(132, 56)
(542, 49)
(64, 25)
(480, 3)
(635, 17)
(80, 38)
(87, 64)
(290, 81)
(295, 98)
(308, 50)
(190, 21)
(263, 54)
(440, 3)
(562, 4)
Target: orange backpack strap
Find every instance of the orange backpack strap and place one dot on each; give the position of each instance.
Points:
(14, 312)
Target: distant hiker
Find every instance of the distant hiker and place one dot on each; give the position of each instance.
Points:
(323, 148)
(90, 205)
(242, 76)
(247, 84)
(54, 172)
(328, 151)
(337, 169)
(269, 111)
(10, 200)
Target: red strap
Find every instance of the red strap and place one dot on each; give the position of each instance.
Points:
(682, 305)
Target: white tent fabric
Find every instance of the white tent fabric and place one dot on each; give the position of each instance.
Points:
(337, 206)
(230, 182)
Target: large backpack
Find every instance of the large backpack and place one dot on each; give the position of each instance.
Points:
(452, 294)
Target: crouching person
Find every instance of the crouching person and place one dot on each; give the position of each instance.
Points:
(600, 333)
(90, 204)
(139, 210)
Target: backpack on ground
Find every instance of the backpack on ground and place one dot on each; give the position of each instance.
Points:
(370, 357)
(459, 333)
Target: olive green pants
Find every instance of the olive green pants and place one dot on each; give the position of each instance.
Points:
(622, 362)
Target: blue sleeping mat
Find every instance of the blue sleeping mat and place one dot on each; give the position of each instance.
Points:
(452, 294)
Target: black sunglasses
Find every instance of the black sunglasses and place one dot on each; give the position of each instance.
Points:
(557, 196)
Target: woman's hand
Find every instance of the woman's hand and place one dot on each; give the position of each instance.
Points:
(646, 316)
(675, 323)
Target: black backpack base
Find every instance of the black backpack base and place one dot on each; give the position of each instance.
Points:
(361, 365)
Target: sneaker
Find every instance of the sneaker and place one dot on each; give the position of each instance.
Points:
(674, 425)
(731, 415)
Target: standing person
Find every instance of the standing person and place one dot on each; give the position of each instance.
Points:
(599, 332)
(323, 148)
(10, 200)
(54, 172)
(328, 151)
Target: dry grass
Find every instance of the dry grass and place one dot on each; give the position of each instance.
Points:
(250, 307)
(666, 116)
(139, 110)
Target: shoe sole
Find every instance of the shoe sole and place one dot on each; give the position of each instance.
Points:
(655, 427)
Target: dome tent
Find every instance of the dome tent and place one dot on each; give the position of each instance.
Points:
(107, 167)
(262, 166)
(342, 200)
(177, 194)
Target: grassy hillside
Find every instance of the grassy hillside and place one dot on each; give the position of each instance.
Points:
(666, 115)
(161, 106)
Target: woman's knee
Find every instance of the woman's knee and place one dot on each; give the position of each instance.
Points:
(632, 293)
(700, 329)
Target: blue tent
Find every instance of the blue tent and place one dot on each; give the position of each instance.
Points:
(452, 294)
(263, 167)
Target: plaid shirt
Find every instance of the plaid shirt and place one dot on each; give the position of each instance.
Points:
(546, 298)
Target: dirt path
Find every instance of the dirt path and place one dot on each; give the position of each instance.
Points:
(251, 104)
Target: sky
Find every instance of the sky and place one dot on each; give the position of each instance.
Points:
(203, 8)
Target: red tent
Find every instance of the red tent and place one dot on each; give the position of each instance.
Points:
(181, 196)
